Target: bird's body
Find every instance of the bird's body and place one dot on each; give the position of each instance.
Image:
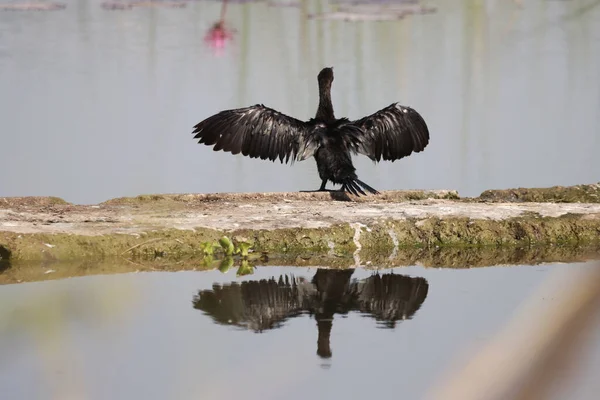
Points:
(261, 132)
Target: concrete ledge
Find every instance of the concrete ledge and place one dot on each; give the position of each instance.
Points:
(174, 226)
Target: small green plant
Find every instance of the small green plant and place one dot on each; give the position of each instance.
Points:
(242, 249)
(208, 248)
(208, 260)
(245, 268)
(227, 246)
(226, 264)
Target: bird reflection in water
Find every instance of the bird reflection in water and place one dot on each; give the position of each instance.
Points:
(267, 303)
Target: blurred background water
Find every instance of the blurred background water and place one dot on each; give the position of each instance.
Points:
(99, 103)
(147, 336)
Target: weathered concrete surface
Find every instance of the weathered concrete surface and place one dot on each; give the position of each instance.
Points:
(174, 226)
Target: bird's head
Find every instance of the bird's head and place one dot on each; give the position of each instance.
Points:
(326, 76)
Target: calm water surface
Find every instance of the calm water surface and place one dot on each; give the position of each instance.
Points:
(189, 335)
(97, 104)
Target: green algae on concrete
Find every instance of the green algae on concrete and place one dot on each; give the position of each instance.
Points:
(527, 230)
(173, 243)
(169, 242)
(556, 194)
(376, 237)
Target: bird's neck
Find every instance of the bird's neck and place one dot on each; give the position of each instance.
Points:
(325, 110)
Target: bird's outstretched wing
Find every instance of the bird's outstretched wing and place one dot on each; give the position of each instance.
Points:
(258, 132)
(391, 133)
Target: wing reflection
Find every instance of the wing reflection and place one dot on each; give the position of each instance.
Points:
(256, 305)
(268, 303)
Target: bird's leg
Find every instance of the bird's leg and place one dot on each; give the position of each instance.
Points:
(323, 183)
(321, 189)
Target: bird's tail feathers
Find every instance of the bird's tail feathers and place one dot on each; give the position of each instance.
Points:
(356, 186)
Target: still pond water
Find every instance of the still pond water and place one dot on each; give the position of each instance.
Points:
(98, 104)
(342, 334)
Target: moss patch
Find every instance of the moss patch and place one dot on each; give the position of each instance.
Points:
(172, 243)
(555, 194)
(378, 237)
(31, 201)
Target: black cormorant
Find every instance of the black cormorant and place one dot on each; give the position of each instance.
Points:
(261, 132)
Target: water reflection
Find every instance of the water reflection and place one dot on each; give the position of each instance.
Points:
(4, 265)
(36, 321)
(4, 259)
(260, 305)
(135, 336)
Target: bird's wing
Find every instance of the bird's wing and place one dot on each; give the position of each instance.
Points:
(258, 132)
(390, 134)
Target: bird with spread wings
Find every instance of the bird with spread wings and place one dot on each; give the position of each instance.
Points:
(390, 134)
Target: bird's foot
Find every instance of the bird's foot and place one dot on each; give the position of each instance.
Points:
(318, 190)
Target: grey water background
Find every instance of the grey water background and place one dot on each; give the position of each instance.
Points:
(97, 104)
(138, 336)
